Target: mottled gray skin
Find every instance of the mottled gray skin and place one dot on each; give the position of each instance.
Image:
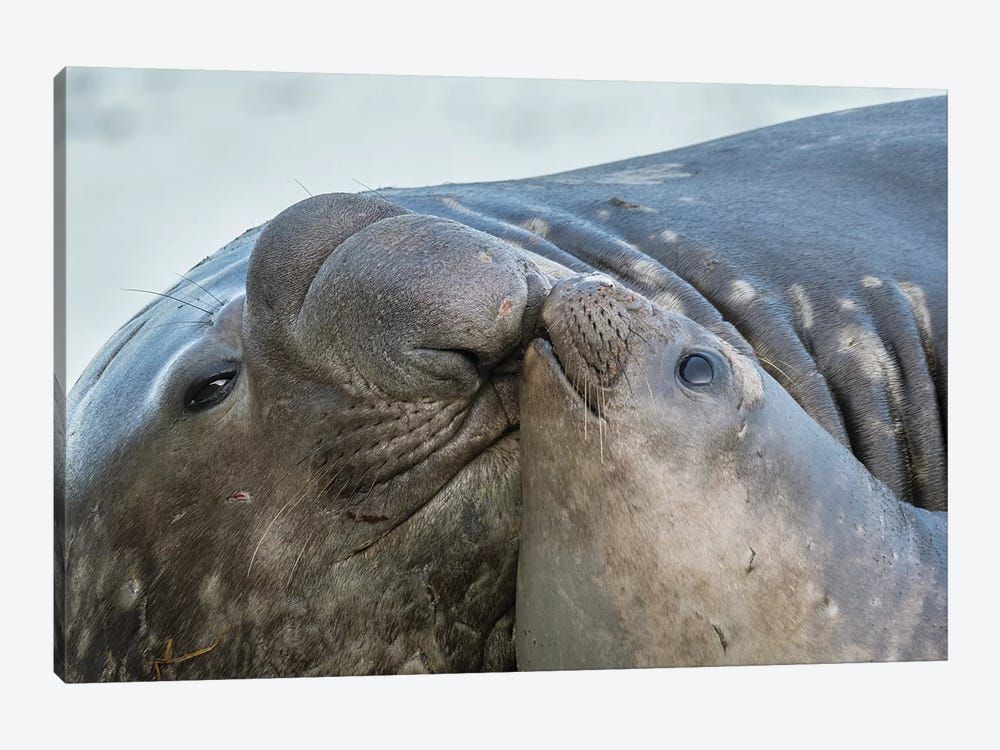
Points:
(373, 424)
(679, 525)
(352, 506)
(823, 241)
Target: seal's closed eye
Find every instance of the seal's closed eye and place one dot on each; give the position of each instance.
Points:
(696, 369)
(211, 391)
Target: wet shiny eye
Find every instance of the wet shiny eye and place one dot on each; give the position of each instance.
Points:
(211, 391)
(696, 369)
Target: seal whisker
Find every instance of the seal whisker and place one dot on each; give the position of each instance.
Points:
(600, 422)
(339, 467)
(372, 190)
(179, 323)
(271, 523)
(355, 484)
(170, 296)
(192, 281)
(648, 386)
(298, 558)
(372, 485)
(628, 381)
(349, 479)
(784, 374)
(308, 192)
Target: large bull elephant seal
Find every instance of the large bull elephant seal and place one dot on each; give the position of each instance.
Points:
(314, 472)
(680, 509)
(303, 458)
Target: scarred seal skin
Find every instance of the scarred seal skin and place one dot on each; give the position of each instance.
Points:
(681, 509)
(303, 458)
(304, 461)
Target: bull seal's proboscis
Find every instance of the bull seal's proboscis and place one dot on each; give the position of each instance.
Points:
(691, 513)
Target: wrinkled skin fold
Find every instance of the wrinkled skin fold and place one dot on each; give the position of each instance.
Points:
(305, 459)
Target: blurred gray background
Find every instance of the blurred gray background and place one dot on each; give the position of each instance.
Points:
(164, 167)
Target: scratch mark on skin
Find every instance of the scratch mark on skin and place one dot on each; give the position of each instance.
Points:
(295, 565)
(621, 203)
(722, 637)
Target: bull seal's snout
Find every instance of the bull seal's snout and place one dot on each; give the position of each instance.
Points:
(418, 306)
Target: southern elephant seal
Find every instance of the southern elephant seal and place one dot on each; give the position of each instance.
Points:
(706, 519)
(303, 458)
(310, 472)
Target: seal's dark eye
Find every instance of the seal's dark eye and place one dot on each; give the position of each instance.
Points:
(696, 369)
(211, 391)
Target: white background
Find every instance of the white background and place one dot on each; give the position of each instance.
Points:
(906, 45)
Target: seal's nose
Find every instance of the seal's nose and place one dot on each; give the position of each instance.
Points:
(408, 305)
(573, 290)
(587, 319)
(415, 306)
(494, 344)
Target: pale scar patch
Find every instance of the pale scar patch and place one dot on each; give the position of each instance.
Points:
(803, 305)
(741, 292)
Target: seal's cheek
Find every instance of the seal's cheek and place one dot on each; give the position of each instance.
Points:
(680, 420)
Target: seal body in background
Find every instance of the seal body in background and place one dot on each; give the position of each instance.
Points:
(680, 509)
(822, 241)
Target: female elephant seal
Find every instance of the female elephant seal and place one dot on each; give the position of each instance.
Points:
(680, 508)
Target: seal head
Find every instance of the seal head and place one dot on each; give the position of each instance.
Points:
(302, 459)
(681, 509)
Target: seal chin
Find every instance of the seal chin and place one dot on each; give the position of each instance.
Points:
(545, 375)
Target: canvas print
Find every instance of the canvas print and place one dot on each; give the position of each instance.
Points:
(535, 409)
